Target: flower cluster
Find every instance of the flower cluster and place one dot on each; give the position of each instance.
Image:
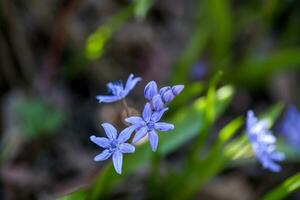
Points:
(263, 143)
(146, 125)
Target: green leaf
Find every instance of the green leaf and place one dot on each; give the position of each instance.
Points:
(141, 8)
(289, 186)
(220, 21)
(229, 130)
(97, 41)
(75, 196)
(255, 69)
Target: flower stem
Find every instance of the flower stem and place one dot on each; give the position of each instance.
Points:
(126, 107)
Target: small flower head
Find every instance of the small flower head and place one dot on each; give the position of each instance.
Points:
(114, 145)
(161, 97)
(263, 143)
(169, 93)
(149, 124)
(290, 127)
(118, 90)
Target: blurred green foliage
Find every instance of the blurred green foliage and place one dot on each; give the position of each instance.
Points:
(290, 185)
(38, 119)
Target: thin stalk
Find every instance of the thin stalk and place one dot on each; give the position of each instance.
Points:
(126, 107)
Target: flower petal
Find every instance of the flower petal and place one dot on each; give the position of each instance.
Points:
(104, 155)
(167, 95)
(147, 112)
(157, 102)
(156, 116)
(110, 130)
(162, 126)
(126, 134)
(126, 148)
(177, 89)
(153, 139)
(251, 119)
(142, 132)
(136, 121)
(100, 141)
(117, 161)
(131, 82)
(277, 156)
(150, 90)
(107, 99)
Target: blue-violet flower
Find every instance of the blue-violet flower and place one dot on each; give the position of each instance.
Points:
(163, 96)
(114, 145)
(263, 143)
(290, 127)
(118, 90)
(149, 124)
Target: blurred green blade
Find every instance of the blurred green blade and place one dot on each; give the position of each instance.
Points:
(220, 20)
(289, 186)
(255, 69)
(75, 196)
(229, 130)
(141, 8)
(96, 42)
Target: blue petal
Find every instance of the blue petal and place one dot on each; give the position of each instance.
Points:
(110, 130)
(150, 90)
(157, 102)
(177, 89)
(153, 139)
(103, 156)
(156, 116)
(167, 95)
(136, 121)
(100, 141)
(131, 82)
(269, 164)
(117, 161)
(251, 119)
(107, 99)
(142, 132)
(162, 126)
(277, 156)
(126, 148)
(126, 134)
(147, 112)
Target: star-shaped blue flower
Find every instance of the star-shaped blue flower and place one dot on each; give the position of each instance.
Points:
(290, 127)
(263, 143)
(118, 90)
(163, 96)
(114, 145)
(149, 124)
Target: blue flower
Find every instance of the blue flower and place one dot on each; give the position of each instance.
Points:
(114, 145)
(290, 127)
(163, 96)
(263, 143)
(118, 90)
(149, 124)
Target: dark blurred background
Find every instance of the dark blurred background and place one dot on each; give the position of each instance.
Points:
(56, 56)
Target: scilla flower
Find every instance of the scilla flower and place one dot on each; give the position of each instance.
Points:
(118, 90)
(290, 127)
(114, 145)
(163, 96)
(149, 124)
(263, 143)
